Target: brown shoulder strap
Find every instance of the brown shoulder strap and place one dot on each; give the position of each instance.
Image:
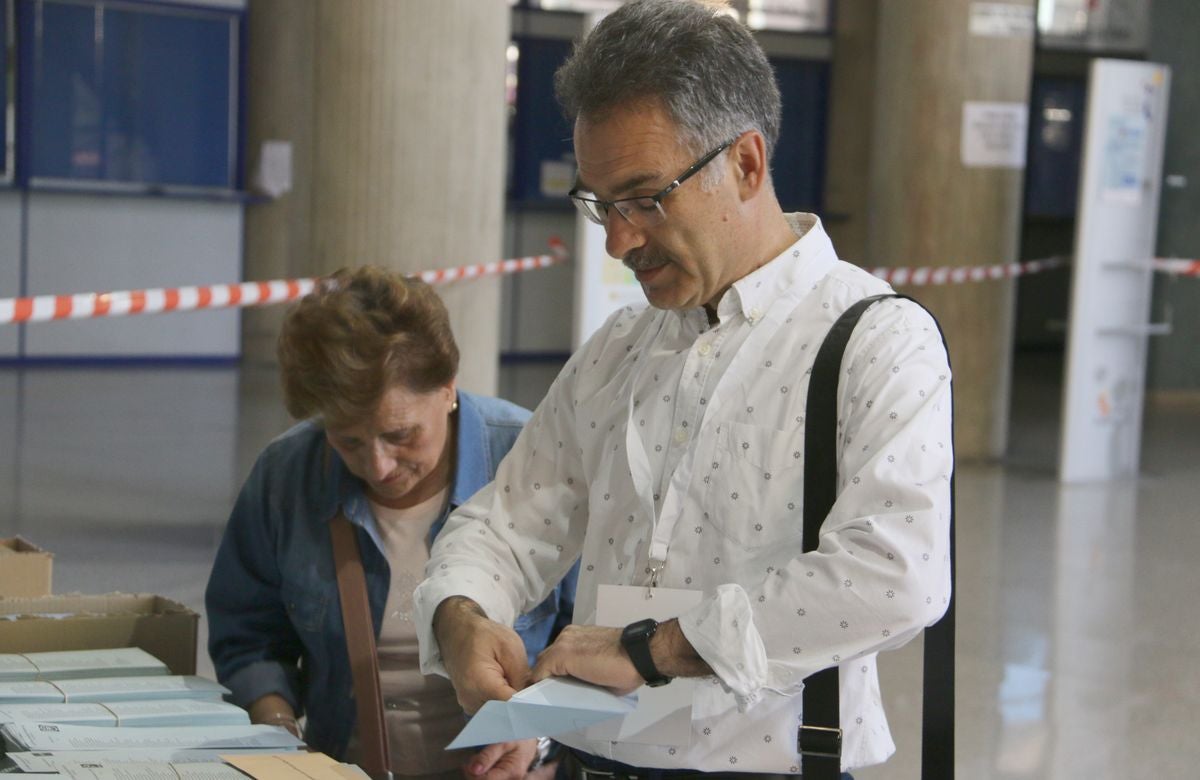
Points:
(360, 644)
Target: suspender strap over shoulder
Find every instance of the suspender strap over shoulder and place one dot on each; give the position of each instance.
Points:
(820, 735)
(360, 644)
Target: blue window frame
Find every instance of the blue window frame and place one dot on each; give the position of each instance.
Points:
(129, 96)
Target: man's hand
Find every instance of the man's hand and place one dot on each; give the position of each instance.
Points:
(592, 654)
(502, 761)
(485, 660)
(274, 710)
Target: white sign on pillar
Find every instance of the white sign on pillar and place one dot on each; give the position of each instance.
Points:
(1111, 284)
(602, 283)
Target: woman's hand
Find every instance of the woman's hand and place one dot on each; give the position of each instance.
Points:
(274, 710)
(502, 761)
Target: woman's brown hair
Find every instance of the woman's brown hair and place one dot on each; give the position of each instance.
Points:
(357, 334)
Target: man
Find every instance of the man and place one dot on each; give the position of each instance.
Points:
(669, 451)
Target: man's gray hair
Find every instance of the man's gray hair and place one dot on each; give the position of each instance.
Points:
(704, 66)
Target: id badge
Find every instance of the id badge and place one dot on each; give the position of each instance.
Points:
(664, 714)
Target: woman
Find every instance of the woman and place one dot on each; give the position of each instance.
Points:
(369, 362)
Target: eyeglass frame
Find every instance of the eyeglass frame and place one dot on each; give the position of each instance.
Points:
(657, 197)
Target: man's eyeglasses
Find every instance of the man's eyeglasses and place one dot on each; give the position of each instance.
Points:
(643, 211)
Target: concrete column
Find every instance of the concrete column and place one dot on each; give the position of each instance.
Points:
(396, 112)
(922, 205)
(1174, 361)
(281, 40)
(852, 105)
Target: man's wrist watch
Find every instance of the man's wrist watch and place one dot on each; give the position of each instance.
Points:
(636, 641)
(547, 751)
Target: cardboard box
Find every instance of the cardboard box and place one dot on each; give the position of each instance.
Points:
(25, 568)
(164, 628)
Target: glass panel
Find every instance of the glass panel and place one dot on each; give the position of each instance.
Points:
(168, 122)
(133, 94)
(66, 102)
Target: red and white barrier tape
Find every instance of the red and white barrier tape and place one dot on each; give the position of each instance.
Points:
(965, 273)
(41, 308)
(982, 273)
(116, 304)
(1176, 267)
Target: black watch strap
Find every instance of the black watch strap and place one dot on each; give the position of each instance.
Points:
(636, 641)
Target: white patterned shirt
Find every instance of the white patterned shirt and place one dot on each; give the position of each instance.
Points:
(664, 428)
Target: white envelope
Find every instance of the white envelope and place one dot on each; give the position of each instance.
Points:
(663, 715)
(553, 706)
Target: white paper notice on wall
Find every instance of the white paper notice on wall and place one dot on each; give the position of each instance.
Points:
(273, 176)
(1001, 20)
(557, 178)
(993, 134)
(1125, 159)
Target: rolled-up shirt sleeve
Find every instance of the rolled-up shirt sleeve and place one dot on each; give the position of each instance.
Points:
(515, 539)
(254, 647)
(881, 572)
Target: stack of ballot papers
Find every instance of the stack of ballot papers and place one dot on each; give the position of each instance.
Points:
(120, 715)
(30, 736)
(77, 664)
(110, 689)
(170, 712)
(264, 766)
(54, 761)
(102, 770)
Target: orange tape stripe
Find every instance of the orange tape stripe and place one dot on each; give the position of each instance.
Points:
(34, 308)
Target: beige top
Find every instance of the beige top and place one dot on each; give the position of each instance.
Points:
(421, 713)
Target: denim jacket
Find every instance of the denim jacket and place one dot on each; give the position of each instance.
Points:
(274, 618)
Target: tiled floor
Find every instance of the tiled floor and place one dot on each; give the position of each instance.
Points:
(1079, 632)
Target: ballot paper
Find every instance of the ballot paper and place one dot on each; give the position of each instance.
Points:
(9, 768)
(77, 664)
(14, 668)
(54, 736)
(664, 714)
(553, 706)
(170, 712)
(150, 770)
(51, 761)
(295, 766)
(111, 689)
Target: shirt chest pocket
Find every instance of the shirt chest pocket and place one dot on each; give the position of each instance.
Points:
(305, 608)
(755, 485)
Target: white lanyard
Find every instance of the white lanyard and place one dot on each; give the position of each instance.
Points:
(663, 524)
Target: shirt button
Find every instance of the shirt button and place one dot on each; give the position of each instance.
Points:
(705, 348)
(681, 435)
(755, 314)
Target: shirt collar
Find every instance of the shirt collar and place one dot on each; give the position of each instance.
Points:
(471, 470)
(797, 267)
(347, 490)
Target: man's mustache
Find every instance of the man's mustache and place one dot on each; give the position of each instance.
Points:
(644, 260)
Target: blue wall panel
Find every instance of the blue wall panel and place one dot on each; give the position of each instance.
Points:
(539, 130)
(129, 93)
(1055, 146)
(798, 167)
(5, 28)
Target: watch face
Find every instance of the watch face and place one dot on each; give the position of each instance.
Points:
(642, 629)
(635, 638)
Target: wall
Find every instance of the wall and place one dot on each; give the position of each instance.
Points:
(1174, 362)
(10, 265)
(58, 243)
(537, 307)
(74, 243)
